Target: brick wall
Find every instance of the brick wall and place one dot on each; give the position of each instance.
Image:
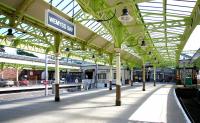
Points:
(9, 73)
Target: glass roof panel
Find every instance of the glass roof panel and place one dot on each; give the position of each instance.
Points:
(153, 18)
(150, 4)
(193, 41)
(178, 12)
(152, 11)
(71, 8)
(179, 8)
(175, 30)
(174, 18)
(170, 44)
(189, 3)
(150, 8)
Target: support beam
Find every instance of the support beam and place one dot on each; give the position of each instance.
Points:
(96, 75)
(57, 78)
(169, 24)
(17, 76)
(143, 77)
(131, 76)
(21, 9)
(165, 24)
(2, 68)
(154, 76)
(36, 26)
(107, 44)
(118, 78)
(111, 72)
(57, 44)
(184, 72)
(111, 78)
(46, 75)
(2, 74)
(91, 38)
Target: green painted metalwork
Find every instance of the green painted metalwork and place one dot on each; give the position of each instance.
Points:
(165, 37)
(172, 45)
(40, 37)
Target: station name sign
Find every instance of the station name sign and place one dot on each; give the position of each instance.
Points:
(59, 23)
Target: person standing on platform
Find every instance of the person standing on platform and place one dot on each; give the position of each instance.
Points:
(76, 80)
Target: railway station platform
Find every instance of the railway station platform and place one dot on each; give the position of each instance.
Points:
(100, 43)
(35, 88)
(155, 105)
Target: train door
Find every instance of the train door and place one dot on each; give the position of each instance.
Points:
(89, 74)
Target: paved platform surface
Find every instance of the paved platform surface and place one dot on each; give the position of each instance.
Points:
(155, 105)
(34, 88)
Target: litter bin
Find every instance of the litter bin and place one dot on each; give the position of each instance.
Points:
(188, 81)
(105, 85)
(53, 88)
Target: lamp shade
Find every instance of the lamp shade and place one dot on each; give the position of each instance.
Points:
(143, 43)
(9, 32)
(149, 52)
(125, 17)
(10, 35)
(67, 49)
(93, 56)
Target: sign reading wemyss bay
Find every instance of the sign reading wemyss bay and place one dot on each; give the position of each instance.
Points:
(59, 23)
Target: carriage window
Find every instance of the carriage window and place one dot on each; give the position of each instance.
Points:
(102, 76)
(114, 75)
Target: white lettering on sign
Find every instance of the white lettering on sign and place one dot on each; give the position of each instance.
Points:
(69, 28)
(57, 22)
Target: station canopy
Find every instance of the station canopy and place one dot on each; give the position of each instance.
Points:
(164, 26)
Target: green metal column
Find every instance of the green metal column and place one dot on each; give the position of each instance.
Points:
(57, 78)
(111, 72)
(143, 77)
(118, 77)
(17, 78)
(154, 76)
(2, 68)
(132, 76)
(57, 72)
(111, 77)
(46, 75)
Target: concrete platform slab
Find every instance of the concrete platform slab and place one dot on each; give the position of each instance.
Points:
(96, 106)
